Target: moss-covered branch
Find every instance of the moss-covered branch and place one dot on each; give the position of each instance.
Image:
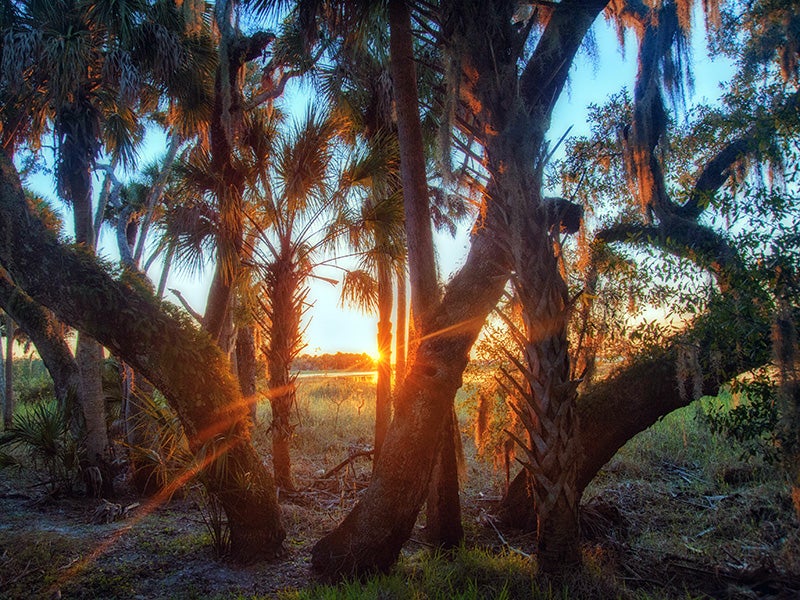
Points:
(45, 333)
(180, 360)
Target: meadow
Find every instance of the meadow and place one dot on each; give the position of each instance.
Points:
(678, 513)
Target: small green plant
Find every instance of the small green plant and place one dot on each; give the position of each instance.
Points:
(163, 453)
(754, 421)
(215, 521)
(42, 433)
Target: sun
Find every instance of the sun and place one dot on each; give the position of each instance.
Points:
(375, 355)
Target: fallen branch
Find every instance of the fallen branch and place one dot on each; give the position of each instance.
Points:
(504, 541)
(346, 462)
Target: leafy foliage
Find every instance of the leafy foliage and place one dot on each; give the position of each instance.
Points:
(753, 421)
(42, 433)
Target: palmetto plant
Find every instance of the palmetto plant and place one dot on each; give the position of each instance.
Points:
(42, 433)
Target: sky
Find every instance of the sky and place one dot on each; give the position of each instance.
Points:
(332, 328)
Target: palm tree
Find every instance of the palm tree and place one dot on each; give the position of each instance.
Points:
(293, 214)
(359, 88)
(512, 117)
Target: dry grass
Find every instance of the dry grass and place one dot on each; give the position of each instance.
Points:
(684, 517)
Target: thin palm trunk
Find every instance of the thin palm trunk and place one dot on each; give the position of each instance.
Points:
(383, 393)
(413, 174)
(8, 406)
(154, 195)
(402, 307)
(162, 281)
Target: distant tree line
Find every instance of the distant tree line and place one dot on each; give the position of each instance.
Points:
(341, 361)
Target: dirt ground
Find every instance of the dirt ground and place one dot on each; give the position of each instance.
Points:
(658, 523)
(664, 535)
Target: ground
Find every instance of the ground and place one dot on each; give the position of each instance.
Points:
(676, 514)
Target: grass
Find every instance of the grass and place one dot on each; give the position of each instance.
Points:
(685, 496)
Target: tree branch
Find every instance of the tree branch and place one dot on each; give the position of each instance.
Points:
(714, 175)
(185, 303)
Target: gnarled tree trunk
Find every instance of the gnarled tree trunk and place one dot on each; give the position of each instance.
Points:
(179, 360)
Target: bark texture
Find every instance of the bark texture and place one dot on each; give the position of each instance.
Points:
(419, 235)
(46, 334)
(443, 526)
(284, 307)
(246, 368)
(180, 361)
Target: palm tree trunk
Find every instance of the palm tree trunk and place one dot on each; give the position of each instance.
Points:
(402, 307)
(201, 389)
(632, 399)
(89, 356)
(154, 195)
(219, 297)
(421, 259)
(77, 183)
(284, 334)
(282, 395)
(8, 406)
(162, 281)
(383, 391)
(443, 526)
(246, 368)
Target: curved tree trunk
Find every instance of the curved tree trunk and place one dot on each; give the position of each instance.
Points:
(202, 392)
(44, 331)
(372, 535)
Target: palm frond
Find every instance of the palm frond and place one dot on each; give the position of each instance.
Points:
(360, 290)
